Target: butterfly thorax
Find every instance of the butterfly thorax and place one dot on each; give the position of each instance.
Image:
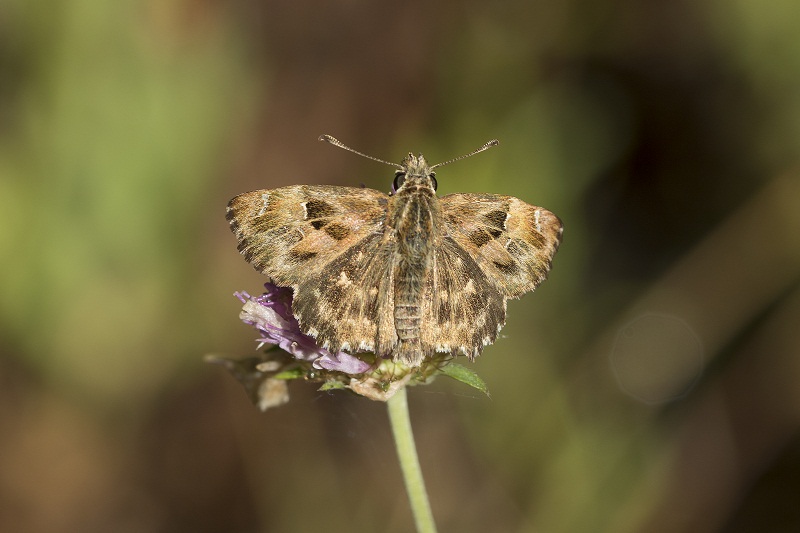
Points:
(414, 211)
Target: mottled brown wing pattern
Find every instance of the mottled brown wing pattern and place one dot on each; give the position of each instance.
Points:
(348, 305)
(292, 232)
(492, 248)
(331, 245)
(462, 310)
(327, 244)
(512, 242)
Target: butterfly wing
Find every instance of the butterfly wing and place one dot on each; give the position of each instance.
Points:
(320, 240)
(493, 248)
(512, 242)
(348, 305)
(462, 309)
(289, 232)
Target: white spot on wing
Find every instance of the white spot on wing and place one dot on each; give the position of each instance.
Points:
(265, 199)
(365, 346)
(305, 210)
(536, 217)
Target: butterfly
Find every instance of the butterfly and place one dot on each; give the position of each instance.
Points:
(405, 275)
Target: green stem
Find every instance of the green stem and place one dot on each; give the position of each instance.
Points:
(409, 462)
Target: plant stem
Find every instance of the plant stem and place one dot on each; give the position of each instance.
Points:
(409, 462)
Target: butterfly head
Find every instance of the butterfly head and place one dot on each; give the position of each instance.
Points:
(414, 173)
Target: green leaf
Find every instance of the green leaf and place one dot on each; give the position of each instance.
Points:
(292, 373)
(465, 375)
(332, 385)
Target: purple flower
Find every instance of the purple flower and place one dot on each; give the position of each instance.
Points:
(271, 315)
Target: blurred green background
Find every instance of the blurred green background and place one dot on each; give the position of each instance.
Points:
(650, 385)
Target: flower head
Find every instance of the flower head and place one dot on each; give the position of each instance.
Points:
(271, 314)
(370, 376)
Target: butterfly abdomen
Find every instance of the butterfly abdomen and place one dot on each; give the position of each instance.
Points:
(408, 289)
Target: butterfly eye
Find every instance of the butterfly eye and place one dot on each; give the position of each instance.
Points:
(433, 181)
(399, 179)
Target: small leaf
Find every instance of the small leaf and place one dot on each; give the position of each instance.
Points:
(332, 385)
(292, 373)
(465, 375)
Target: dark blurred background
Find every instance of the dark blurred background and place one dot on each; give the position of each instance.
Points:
(650, 385)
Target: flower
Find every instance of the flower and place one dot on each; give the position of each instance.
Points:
(271, 314)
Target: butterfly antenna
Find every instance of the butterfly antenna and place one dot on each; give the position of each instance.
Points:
(336, 142)
(493, 142)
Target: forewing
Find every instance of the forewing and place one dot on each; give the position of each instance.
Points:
(463, 310)
(292, 232)
(328, 244)
(512, 242)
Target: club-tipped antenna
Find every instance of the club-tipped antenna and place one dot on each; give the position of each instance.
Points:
(493, 142)
(336, 142)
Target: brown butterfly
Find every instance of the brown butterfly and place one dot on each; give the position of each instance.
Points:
(404, 275)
